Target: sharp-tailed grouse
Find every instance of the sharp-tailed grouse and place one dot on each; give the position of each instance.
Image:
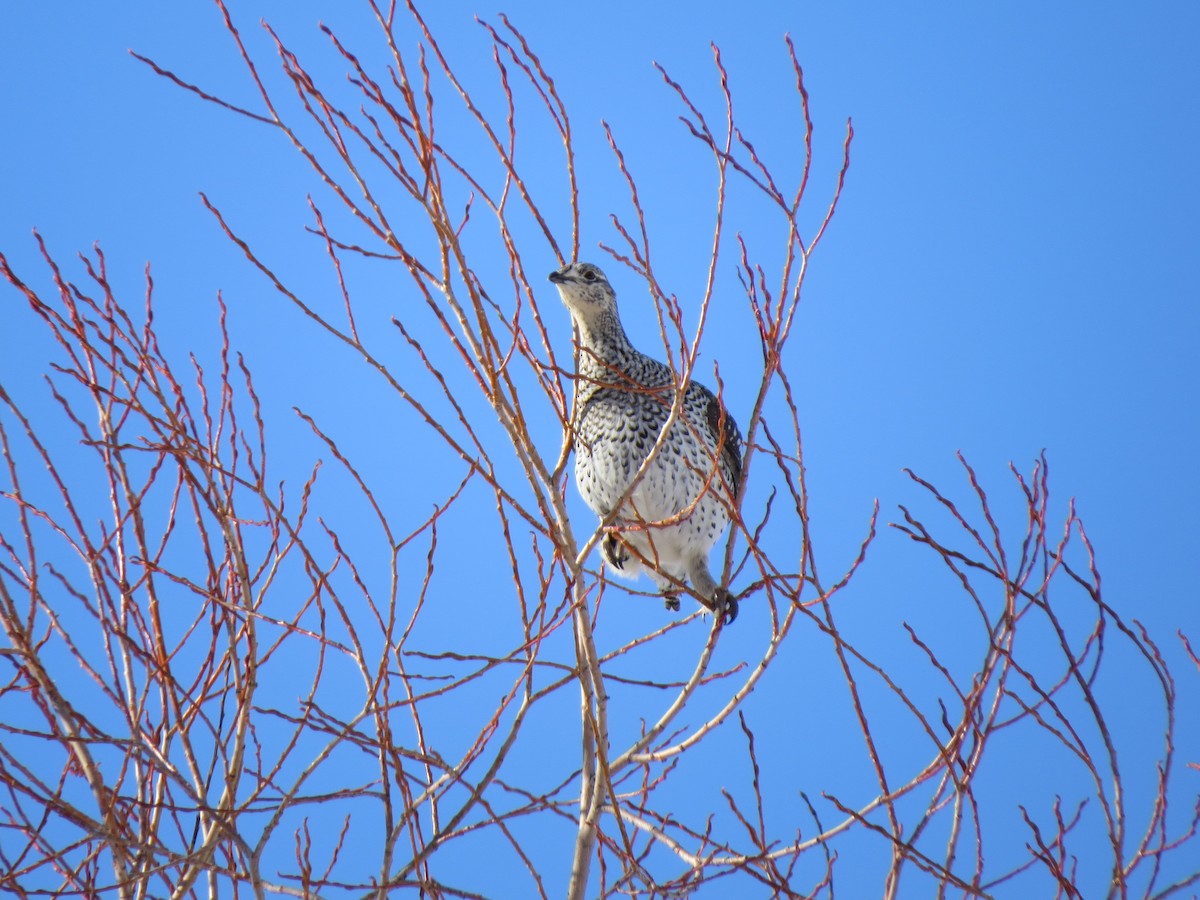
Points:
(670, 520)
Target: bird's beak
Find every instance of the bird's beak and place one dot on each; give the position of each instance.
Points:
(558, 277)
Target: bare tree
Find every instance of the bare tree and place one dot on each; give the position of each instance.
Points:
(182, 629)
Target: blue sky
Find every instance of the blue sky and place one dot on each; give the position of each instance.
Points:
(1011, 267)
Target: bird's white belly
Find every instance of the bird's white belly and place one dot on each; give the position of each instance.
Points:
(661, 518)
(667, 487)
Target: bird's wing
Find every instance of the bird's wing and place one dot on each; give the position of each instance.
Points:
(725, 431)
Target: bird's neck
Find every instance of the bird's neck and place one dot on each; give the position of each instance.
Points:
(602, 340)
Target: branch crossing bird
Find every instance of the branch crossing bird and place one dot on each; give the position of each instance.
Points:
(670, 520)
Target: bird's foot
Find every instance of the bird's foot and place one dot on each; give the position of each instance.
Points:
(671, 600)
(613, 551)
(725, 606)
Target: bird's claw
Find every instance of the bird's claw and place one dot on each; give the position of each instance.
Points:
(725, 606)
(613, 552)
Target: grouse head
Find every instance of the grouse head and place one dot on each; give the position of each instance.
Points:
(587, 294)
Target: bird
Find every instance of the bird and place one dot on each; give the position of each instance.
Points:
(670, 520)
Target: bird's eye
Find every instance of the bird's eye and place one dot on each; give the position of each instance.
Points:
(589, 275)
